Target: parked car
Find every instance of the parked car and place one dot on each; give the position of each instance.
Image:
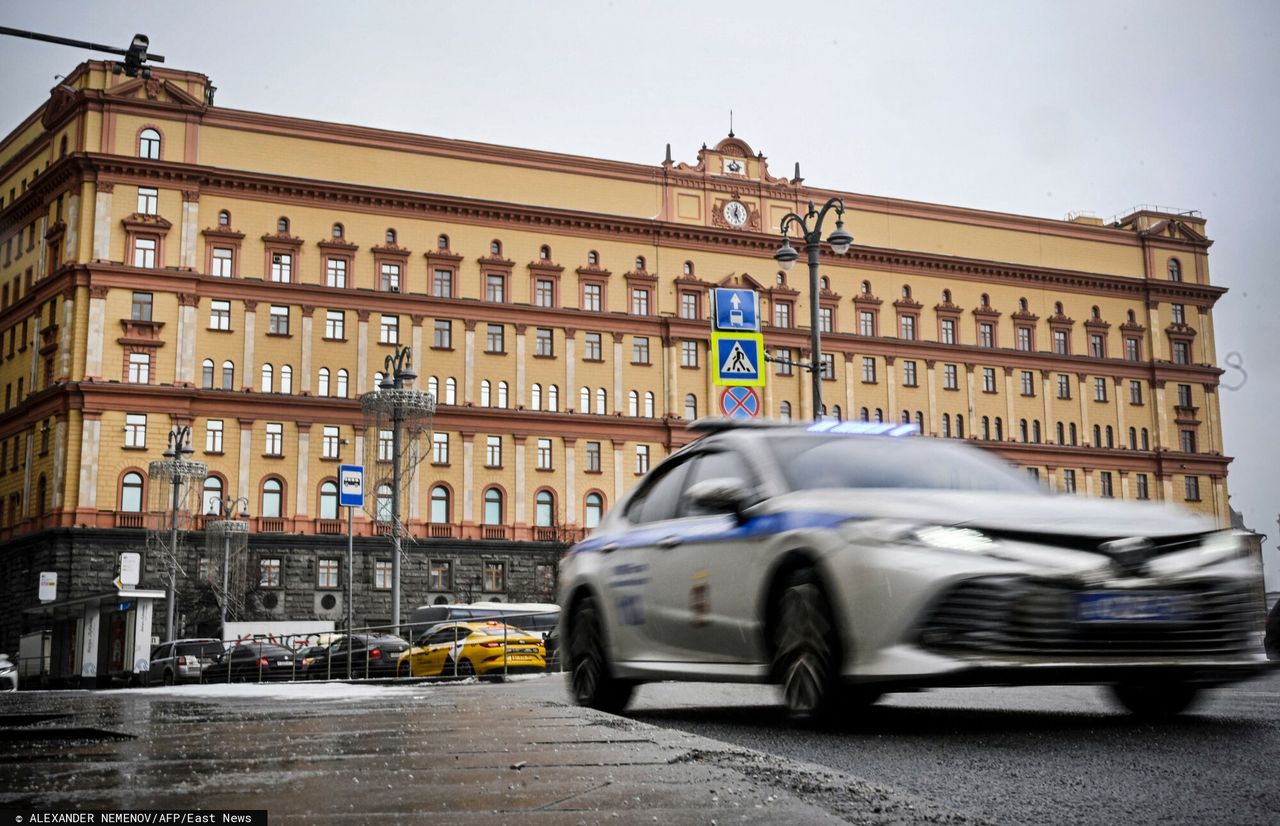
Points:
(537, 617)
(1271, 640)
(551, 645)
(182, 661)
(842, 565)
(371, 655)
(251, 662)
(468, 649)
(8, 674)
(303, 659)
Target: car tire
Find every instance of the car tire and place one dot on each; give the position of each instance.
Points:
(1155, 701)
(465, 668)
(168, 677)
(404, 671)
(806, 659)
(591, 682)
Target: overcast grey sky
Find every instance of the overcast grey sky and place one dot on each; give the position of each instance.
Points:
(1024, 107)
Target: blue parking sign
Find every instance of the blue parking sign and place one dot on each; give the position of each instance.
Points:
(736, 310)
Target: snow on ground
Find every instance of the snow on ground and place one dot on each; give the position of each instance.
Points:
(307, 690)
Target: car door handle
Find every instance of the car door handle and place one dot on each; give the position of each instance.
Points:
(609, 548)
(669, 542)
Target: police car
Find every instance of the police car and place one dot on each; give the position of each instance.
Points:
(842, 561)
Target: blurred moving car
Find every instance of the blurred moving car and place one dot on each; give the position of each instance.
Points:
(251, 662)
(468, 649)
(8, 674)
(370, 655)
(842, 563)
(182, 661)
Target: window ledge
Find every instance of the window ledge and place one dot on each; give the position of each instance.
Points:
(544, 470)
(273, 456)
(214, 453)
(128, 447)
(439, 349)
(279, 335)
(593, 361)
(495, 352)
(336, 340)
(219, 330)
(331, 458)
(545, 357)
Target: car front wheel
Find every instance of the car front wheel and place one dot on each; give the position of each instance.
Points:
(806, 652)
(404, 670)
(590, 683)
(1155, 701)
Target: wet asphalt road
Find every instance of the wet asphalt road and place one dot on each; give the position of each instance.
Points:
(1021, 756)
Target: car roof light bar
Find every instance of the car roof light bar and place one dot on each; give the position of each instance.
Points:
(864, 428)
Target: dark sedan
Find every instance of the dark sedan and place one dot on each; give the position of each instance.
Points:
(251, 662)
(370, 655)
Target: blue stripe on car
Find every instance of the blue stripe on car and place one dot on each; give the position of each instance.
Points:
(714, 528)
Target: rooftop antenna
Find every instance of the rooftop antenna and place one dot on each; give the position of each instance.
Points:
(731, 123)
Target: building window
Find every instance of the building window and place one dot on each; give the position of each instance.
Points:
(825, 321)
(149, 144)
(593, 511)
(495, 288)
(782, 313)
(268, 374)
(144, 253)
(784, 358)
(593, 457)
(272, 499)
(1099, 389)
(278, 322)
(1069, 480)
(335, 273)
(219, 315)
(869, 369)
(1181, 353)
(591, 347)
(440, 505)
(639, 302)
(1028, 383)
(382, 574)
(329, 442)
(642, 459)
(640, 350)
(866, 323)
(139, 368)
(949, 377)
(988, 380)
(1132, 350)
(386, 445)
(948, 331)
(1187, 441)
(543, 342)
(592, 295)
(440, 448)
(493, 507)
(223, 260)
(1097, 346)
(1064, 386)
(224, 218)
(327, 573)
(544, 454)
(986, 334)
(689, 305)
(1175, 270)
(544, 509)
(275, 439)
(440, 577)
(1061, 344)
(907, 327)
(493, 340)
(1179, 313)
(648, 404)
(389, 278)
(206, 374)
(909, 373)
(493, 451)
(329, 500)
(340, 385)
(148, 200)
(130, 493)
(688, 354)
(633, 403)
(214, 436)
(442, 283)
(281, 267)
(784, 411)
(335, 325)
(389, 329)
(495, 573)
(690, 406)
(1192, 488)
(1140, 481)
(383, 504)
(1024, 339)
(269, 572)
(135, 430)
(1135, 392)
(228, 375)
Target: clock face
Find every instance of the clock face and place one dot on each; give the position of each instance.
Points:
(735, 213)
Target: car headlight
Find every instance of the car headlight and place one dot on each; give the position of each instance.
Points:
(965, 540)
(1214, 549)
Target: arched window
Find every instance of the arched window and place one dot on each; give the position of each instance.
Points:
(502, 394)
(440, 505)
(228, 375)
(484, 393)
(224, 218)
(451, 390)
(286, 379)
(1057, 308)
(920, 420)
(42, 495)
(1095, 312)
(946, 296)
(1062, 438)
(690, 406)
(493, 507)
(1097, 435)
(593, 510)
(1146, 440)
(337, 231)
(688, 268)
(149, 144)
(1175, 269)
(602, 401)
(322, 382)
(648, 404)
(906, 291)
(985, 300)
(824, 283)
(838, 413)
(535, 397)
(433, 386)
(382, 504)
(340, 387)
(282, 226)
(495, 248)
(544, 253)
(206, 374)
(784, 411)
(864, 414)
(131, 492)
(633, 403)
(866, 288)
(1132, 318)
(879, 415)
(543, 508)
(272, 498)
(553, 398)
(377, 380)
(1035, 431)
(1133, 438)
(1022, 430)
(639, 263)
(62, 147)
(391, 237)
(267, 376)
(782, 278)
(946, 425)
(1022, 305)
(986, 427)
(329, 500)
(999, 429)
(211, 499)
(442, 242)
(584, 400)
(1071, 433)
(593, 258)
(1111, 437)
(906, 417)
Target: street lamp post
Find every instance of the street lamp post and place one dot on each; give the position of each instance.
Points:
(226, 509)
(786, 256)
(177, 468)
(399, 373)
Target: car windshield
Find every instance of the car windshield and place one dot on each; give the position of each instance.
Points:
(809, 462)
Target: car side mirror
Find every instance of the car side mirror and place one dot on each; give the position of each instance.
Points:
(719, 495)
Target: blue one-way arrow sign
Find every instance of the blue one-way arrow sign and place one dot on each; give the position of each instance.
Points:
(736, 310)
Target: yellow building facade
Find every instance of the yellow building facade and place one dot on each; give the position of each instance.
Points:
(164, 261)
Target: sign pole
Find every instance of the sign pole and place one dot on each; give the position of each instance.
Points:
(350, 584)
(350, 496)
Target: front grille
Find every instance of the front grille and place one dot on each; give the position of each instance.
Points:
(1024, 616)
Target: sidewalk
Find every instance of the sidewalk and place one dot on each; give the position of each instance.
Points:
(459, 753)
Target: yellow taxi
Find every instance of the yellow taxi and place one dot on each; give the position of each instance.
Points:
(469, 649)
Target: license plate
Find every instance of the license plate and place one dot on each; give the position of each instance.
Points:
(523, 650)
(1131, 606)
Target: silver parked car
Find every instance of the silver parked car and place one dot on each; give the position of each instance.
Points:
(842, 565)
(182, 661)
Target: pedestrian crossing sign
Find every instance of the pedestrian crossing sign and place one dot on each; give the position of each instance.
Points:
(736, 359)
